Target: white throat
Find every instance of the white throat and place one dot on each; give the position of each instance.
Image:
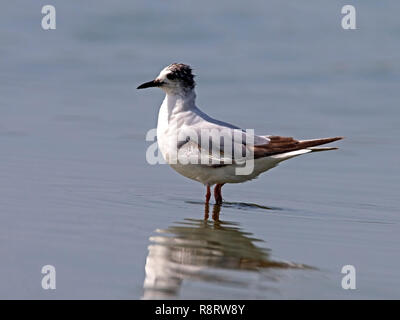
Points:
(175, 103)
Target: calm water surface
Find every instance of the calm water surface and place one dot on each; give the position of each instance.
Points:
(76, 191)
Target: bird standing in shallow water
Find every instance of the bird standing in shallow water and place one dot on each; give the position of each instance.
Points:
(212, 151)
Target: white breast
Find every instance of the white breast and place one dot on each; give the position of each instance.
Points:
(162, 129)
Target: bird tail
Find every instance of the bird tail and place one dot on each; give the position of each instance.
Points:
(283, 145)
(305, 146)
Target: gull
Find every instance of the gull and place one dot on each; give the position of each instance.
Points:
(180, 136)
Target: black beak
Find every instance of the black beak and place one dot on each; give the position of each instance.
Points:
(150, 84)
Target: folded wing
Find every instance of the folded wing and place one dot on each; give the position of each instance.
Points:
(278, 144)
(216, 145)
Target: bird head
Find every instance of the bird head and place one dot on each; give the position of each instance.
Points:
(176, 78)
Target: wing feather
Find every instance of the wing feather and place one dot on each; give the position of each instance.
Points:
(279, 145)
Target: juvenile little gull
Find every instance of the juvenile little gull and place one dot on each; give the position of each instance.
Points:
(186, 136)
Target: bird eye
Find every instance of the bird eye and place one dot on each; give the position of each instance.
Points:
(170, 76)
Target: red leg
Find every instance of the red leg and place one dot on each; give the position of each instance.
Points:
(216, 211)
(217, 193)
(208, 194)
(206, 211)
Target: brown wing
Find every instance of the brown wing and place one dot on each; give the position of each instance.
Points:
(279, 145)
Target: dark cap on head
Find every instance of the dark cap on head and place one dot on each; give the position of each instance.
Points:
(182, 72)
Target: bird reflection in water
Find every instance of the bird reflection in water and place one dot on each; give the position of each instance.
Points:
(203, 250)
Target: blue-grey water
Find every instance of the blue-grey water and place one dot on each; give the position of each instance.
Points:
(77, 193)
